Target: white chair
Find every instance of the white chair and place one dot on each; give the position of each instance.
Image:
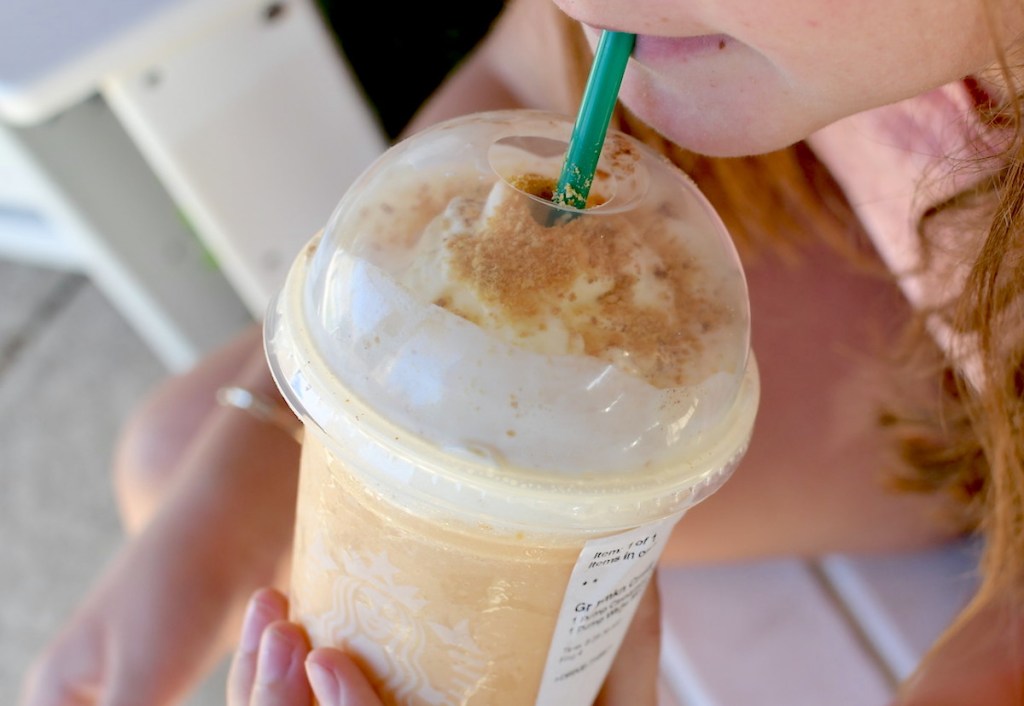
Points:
(143, 141)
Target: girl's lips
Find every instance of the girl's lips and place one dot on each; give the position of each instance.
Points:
(654, 49)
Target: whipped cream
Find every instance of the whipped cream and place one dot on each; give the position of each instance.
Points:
(624, 291)
(449, 342)
(458, 314)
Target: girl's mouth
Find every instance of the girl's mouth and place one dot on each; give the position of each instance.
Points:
(654, 49)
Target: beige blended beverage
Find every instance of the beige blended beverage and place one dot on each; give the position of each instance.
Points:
(508, 405)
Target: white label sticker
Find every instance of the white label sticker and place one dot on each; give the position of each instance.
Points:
(607, 582)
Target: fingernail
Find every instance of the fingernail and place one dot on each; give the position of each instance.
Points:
(325, 686)
(277, 655)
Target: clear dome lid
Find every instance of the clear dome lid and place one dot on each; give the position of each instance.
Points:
(450, 297)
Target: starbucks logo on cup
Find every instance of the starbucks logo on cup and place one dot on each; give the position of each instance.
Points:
(385, 623)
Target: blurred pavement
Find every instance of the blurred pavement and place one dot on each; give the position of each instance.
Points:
(71, 370)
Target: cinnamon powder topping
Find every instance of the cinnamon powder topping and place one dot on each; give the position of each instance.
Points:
(635, 300)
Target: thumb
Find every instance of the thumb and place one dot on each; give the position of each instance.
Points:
(633, 677)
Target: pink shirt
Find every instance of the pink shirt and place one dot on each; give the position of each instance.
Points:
(893, 163)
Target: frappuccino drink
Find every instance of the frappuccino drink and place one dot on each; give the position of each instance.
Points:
(508, 405)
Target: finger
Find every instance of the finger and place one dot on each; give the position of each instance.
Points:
(338, 681)
(280, 673)
(633, 677)
(265, 607)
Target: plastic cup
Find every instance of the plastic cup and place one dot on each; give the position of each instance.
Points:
(504, 419)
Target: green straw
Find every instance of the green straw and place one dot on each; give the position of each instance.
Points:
(613, 50)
